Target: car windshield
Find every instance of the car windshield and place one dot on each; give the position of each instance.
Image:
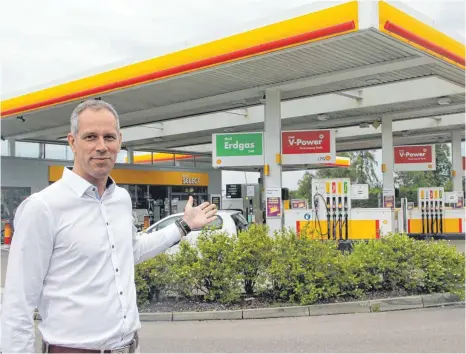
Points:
(216, 224)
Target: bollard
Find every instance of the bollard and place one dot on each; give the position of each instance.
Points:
(8, 234)
(146, 221)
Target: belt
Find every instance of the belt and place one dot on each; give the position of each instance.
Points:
(129, 348)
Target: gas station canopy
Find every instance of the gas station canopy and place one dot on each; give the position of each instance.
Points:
(344, 67)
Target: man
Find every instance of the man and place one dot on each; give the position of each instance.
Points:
(75, 247)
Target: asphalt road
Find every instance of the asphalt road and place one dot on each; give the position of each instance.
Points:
(436, 330)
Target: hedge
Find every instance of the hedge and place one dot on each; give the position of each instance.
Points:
(288, 268)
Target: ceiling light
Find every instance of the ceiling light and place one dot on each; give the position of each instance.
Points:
(405, 133)
(228, 130)
(444, 101)
(157, 140)
(322, 117)
(373, 81)
(364, 125)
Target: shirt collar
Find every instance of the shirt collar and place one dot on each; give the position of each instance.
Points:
(80, 185)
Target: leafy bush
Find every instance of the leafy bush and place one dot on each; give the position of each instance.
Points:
(217, 266)
(305, 270)
(298, 269)
(152, 277)
(253, 256)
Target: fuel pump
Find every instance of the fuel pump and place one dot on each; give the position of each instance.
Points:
(332, 204)
(431, 202)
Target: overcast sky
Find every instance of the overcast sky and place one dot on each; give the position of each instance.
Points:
(48, 40)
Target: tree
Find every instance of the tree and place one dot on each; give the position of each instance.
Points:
(362, 170)
(304, 187)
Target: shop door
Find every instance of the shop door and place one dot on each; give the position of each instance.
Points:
(179, 200)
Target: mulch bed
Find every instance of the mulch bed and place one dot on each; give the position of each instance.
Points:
(184, 305)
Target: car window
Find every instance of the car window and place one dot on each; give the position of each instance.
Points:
(216, 224)
(240, 222)
(163, 224)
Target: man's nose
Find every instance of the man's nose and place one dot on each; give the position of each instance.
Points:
(101, 146)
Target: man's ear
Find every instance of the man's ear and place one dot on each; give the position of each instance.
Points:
(121, 140)
(71, 142)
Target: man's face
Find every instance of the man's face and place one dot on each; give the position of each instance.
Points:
(96, 145)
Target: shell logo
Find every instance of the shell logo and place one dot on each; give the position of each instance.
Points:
(385, 222)
(219, 162)
(429, 166)
(327, 158)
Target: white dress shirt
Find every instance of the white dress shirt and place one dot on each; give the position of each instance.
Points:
(72, 255)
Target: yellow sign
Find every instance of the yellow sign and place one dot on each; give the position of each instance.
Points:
(132, 176)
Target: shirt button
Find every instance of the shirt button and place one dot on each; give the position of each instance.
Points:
(121, 292)
(124, 316)
(107, 223)
(117, 269)
(113, 246)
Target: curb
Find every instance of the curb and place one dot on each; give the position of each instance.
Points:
(379, 305)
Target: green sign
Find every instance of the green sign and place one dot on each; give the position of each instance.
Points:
(239, 144)
(346, 187)
(239, 149)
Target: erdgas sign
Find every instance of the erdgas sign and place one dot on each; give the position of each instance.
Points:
(239, 149)
(414, 158)
(308, 147)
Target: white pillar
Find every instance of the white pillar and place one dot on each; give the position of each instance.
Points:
(130, 155)
(388, 161)
(457, 163)
(12, 147)
(272, 147)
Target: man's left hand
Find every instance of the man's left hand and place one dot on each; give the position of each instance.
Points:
(200, 216)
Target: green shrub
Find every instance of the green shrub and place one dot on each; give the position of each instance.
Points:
(398, 262)
(298, 269)
(185, 270)
(443, 267)
(207, 269)
(152, 277)
(253, 256)
(217, 266)
(304, 270)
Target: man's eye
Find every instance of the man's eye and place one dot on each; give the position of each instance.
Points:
(89, 137)
(110, 138)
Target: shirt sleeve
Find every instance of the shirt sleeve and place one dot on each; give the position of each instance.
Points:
(147, 246)
(28, 262)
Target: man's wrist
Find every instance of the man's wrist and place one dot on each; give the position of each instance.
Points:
(183, 226)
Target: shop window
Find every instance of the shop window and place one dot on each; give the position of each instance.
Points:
(12, 197)
(25, 149)
(5, 148)
(189, 189)
(53, 151)
(122, 156)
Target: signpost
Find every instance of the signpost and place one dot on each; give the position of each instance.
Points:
(302, 147)
(238, 149)
(274, 202)
(359, 191)
(414, 158)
